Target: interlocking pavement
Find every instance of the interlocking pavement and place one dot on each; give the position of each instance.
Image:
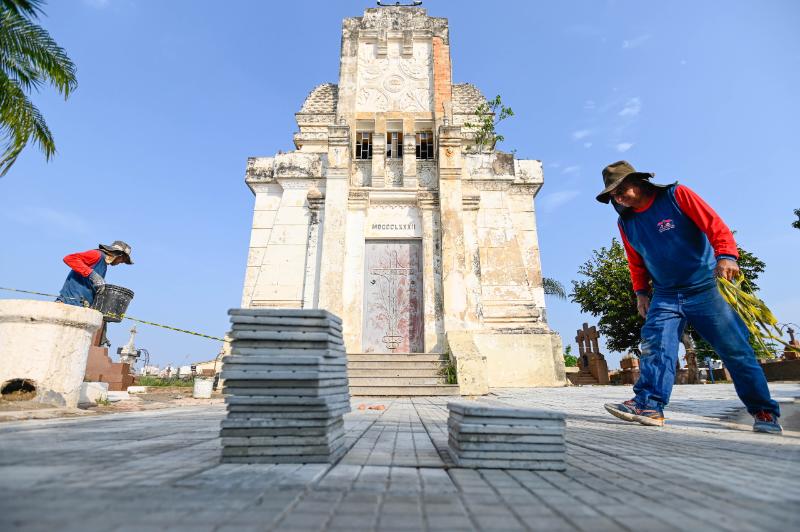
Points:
(160, 469)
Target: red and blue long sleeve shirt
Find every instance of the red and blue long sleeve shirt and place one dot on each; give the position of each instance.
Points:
(675, 241)
(78, 288)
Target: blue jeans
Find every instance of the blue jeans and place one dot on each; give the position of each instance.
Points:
(720, 326)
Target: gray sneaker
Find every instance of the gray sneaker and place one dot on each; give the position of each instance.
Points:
(766, 422)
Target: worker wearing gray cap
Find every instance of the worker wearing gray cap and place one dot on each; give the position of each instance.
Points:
(89, 271)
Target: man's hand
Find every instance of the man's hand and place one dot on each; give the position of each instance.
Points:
(97, 281)
(642, 304)
(727, 269)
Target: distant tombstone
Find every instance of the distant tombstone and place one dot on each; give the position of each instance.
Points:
(590, 357)
(789, 353)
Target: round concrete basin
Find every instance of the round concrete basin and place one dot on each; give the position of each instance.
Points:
(43, 350)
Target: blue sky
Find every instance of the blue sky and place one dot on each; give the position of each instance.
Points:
(174, 96)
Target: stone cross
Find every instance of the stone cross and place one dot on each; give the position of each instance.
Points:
(587, 340)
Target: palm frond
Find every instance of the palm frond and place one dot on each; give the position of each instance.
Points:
(30, 8)
(29, 58)
(31, 48)
(20, 122)
(553, 288)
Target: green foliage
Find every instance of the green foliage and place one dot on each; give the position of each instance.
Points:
(449, 373)
(751, 267)
(29, 59)
(570, 360)
(149, 380)
(487, 116)
(796, 223)
(553, 288)
(607, 292)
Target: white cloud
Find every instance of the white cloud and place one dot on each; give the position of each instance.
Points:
(554, 165)
(589, 105)
(577, 135)
(683, 61)
(571, 169)
(551, 202)
(636, 41)
(99, 4)
(587, 144)
(622, 147)
(632, 107)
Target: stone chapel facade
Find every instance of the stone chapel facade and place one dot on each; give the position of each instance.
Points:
(385, 216)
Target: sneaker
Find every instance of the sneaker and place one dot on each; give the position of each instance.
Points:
(630, 411)
(766, 422)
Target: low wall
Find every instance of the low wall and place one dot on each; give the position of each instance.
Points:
(784, 370)
(46, 344)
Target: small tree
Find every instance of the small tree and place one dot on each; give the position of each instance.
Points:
(570, 360)
(608, 293)
(796, 223)
(487, 116)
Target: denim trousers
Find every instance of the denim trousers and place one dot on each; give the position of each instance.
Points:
(720, 326)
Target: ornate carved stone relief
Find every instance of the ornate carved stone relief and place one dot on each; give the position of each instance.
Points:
(426, 173)
(490, 185)
(394, 82)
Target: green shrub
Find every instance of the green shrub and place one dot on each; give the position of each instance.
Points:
(149, 380)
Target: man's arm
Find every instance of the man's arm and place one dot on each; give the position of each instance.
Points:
(640, 277)
(83, 262)
(708, 221)
(639, 274)
(711, 224)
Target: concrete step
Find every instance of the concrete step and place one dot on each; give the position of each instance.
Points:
(396, 381)
(396, 357)
(397, 365)
(403, 391)
(393, 372)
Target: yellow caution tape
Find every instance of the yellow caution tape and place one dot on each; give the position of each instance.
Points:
(123, 316)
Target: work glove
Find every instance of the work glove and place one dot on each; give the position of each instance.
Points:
(97, 281)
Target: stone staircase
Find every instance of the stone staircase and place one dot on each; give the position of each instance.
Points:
(398, 374)
(583, 377)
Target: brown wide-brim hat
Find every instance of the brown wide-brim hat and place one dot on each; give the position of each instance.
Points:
(615, 173)
(118, 247)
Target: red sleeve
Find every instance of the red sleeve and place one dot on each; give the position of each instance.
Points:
(639, 275)
(708, 221)
(83, 262)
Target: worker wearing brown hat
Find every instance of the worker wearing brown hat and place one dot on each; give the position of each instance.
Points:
(676, 247)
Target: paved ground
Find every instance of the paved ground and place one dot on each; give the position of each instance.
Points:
(159, 469)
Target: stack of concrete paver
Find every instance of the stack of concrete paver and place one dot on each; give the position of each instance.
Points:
(286, 387)
(482, 435)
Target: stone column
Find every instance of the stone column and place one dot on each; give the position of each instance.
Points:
(337, 187)
(353, 289)
(45, 345)
(316, 204)
(523, 217)
(268, 200)
(450, 201)
(379, 160)
(472, 264)
(410, 179)
(431, 272)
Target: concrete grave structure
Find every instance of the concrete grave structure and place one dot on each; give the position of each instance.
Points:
(43, 349)
(386, 216)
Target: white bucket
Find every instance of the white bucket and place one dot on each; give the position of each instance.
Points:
(203, 387)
